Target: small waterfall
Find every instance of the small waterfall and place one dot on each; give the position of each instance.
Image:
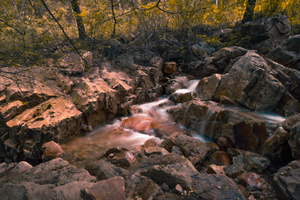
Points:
(208, 119)
(192, 87)
(151, 121)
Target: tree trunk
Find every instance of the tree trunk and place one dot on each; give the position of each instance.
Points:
(80, 25)
(248, 16)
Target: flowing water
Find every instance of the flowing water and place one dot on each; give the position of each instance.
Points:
(151, 122)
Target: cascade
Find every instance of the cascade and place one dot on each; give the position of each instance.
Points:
(149, 121)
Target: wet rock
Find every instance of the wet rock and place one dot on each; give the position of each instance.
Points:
(174, 84)
(246, 161)
(192, 148)
(51, 150)
(214, 169)
(102, 169)
(208, 86)
(287, 181)
(155, 151)
(219, 158)
(151, 125)
(113, 188)
(288, 53)
(169, 68)
(182, 97)
(276, 147)
(289, 122)
(134, 109)
(242, 130)
(224, 143)
(227, 101)
(138, 186)
(150, 143)
(294, 141)
(120, 157)
(257, 186)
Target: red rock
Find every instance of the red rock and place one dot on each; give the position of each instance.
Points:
(169, 67)
(110, 189)
(214, 169)
(252, 179)
(52, 150)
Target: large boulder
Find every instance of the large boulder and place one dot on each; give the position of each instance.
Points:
(287, 181)
(178, 173)
(19, 97)
(55, 179)
(253, 83)
(245, 161)
(288, 53)
(192, 148)
(294, 141)
(138, 186)
(56, 119)
(102, 170)
(216, 63)
(113, 188)
(242, 130)
(277, 148)
(260, 34)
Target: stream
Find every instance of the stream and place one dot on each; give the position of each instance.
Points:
(149, 121)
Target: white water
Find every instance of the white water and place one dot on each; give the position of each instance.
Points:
(191, 88)
(134, 132)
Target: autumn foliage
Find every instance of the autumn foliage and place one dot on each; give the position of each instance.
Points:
(28, 32)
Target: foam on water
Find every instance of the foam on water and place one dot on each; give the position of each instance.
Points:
(191, 88)
(146, 107)
(272, 117)
(133, 139)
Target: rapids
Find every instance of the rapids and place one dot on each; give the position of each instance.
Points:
(148, 121)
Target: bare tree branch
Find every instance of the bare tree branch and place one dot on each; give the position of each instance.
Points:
(62, 29)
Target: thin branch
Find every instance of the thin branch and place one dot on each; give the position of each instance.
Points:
(62, 29)
(7, 24)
